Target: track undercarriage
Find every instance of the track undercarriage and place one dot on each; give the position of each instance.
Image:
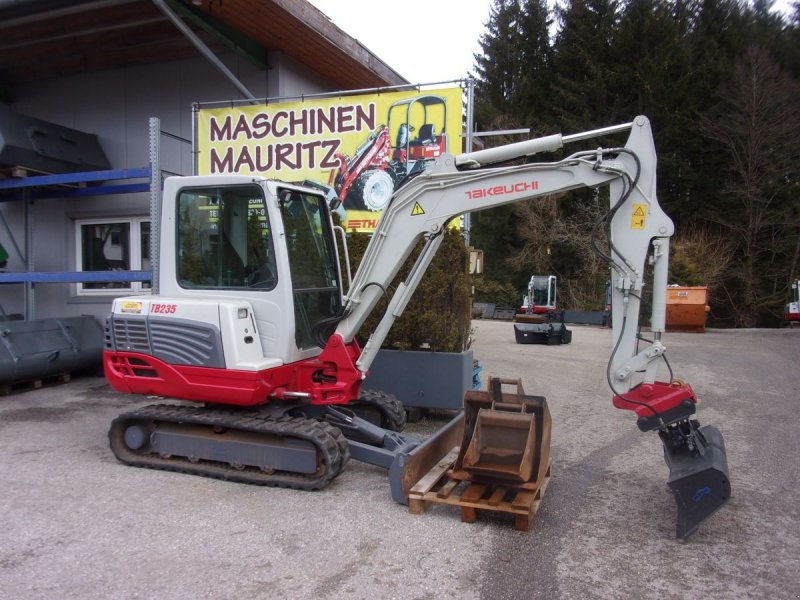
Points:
(291, 446)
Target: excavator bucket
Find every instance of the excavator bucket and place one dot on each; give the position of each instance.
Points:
(502, 445)
(698, 475)
(498, 438)
(506, 436)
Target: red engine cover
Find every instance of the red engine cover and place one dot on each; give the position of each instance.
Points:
(331, 378)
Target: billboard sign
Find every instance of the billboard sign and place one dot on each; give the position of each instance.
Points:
(362, 146)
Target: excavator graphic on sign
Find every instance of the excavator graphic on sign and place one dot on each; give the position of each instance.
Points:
(367, 179)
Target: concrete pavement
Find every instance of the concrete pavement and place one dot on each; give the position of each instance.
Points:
(78, 524)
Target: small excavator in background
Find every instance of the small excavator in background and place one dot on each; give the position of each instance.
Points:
(538, 321)
(791, 312)
(249, 329)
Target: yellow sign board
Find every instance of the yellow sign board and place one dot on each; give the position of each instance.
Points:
(362, 146)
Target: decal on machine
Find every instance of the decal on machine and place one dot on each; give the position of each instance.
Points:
(131, 307)
(502, 190)
(417, 210)
(163, 309)
(639, 216)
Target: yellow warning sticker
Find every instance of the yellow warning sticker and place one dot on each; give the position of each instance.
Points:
(131, 307)
(639, 216)
(417, 210)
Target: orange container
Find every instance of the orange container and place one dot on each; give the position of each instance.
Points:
(687, 308)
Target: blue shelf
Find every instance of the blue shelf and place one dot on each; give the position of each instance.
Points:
(75, 276)
(73, 178)
(20, 189)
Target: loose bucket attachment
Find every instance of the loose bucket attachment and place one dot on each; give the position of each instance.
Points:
(698, 473)
(506, 436)
(502, 445)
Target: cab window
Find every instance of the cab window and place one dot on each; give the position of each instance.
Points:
(224, 239)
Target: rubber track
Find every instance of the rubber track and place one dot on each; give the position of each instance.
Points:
(392, 411)
(332, 449)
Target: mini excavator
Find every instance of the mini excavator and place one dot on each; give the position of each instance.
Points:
(250, 328)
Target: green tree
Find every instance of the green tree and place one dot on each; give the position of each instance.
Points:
(584, 65)
(498, 65)
(438, 315)
(536, 69)
(721, 174)
(757, 122)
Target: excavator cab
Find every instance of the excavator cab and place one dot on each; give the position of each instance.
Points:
(262, 250)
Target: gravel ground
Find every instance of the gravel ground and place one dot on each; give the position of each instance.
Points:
(78, 524)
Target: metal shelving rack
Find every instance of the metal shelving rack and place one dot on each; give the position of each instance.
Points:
(29, 189)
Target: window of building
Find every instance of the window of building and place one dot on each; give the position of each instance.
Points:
(113, 245)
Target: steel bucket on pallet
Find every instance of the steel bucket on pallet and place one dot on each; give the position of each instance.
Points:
(506, 436)
(502, 445)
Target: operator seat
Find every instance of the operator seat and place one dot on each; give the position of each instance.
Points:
(427, 135)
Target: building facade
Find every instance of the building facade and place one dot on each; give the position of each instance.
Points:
(93, 79)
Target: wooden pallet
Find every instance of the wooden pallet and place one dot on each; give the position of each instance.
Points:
(33, 384)
(438, 487)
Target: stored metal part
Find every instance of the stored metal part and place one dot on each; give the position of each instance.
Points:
(241, 446)
(502, 445)
(47, 147)
(542, 333)
(35, 349)
(506, 436)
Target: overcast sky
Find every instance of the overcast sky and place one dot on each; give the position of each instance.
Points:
(425, 41)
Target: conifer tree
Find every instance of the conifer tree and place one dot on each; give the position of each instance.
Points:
(536, 68)
(584, 65)
(497, 67)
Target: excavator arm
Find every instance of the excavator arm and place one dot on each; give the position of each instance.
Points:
(471, 182)
(636, 227)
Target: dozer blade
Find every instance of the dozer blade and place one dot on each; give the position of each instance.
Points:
(408, 467)
(698, 476)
